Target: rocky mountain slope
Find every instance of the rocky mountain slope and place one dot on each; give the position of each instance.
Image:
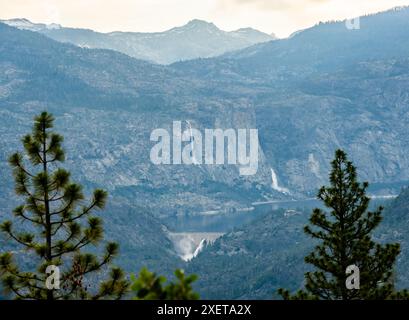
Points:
(107, 105)
(325, 88)
(302, 109)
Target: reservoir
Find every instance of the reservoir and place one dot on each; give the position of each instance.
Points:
(190, 233)
(225, 222)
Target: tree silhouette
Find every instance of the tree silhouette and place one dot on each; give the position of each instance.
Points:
(149, 286)
(344, 236)
(56, 209)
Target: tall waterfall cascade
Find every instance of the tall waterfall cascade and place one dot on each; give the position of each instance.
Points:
(274, 183)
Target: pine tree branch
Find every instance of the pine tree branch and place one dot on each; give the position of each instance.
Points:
(16, 238)
(53, 233)
(16, 273)
(100, 265)
(68, 294)
(20, 167)
(65, 209)
(82, 243)
(53, 197)
(80, 215)
(31, 220)
(67, 240)
(28, 192)
(17, 293)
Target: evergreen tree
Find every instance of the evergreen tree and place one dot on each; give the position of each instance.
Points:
(149, 286)
(56, 209)
(344, 239)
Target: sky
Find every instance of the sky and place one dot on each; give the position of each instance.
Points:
(281, 17)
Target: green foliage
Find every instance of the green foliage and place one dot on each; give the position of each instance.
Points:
(344, 236)
(149, 286)
(56, 207)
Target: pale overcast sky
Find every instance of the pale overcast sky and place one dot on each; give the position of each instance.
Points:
(279, 16)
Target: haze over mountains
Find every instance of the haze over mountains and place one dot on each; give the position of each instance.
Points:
(306, 95)
(197, 39)
(325, 88)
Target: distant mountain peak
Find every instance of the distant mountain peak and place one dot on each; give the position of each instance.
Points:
(25, 24)
(400, 8)
(251, 32)
(248, 29)
(200, 23)
(196, 39)
(19, 20)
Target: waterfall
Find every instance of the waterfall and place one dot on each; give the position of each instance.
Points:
(199, 247)
(274, 183)
(189, 251)
(189, 244)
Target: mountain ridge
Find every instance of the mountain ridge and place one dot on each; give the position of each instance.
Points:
(107, 104)
(196, 39)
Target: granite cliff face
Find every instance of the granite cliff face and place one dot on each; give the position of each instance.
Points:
(325, 88)
(304, 99)
(107, 105)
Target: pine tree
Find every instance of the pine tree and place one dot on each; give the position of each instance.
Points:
(344, 239)
(56, 209)
(149, 286)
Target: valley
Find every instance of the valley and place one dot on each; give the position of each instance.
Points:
(308, 95)
(190, 233)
